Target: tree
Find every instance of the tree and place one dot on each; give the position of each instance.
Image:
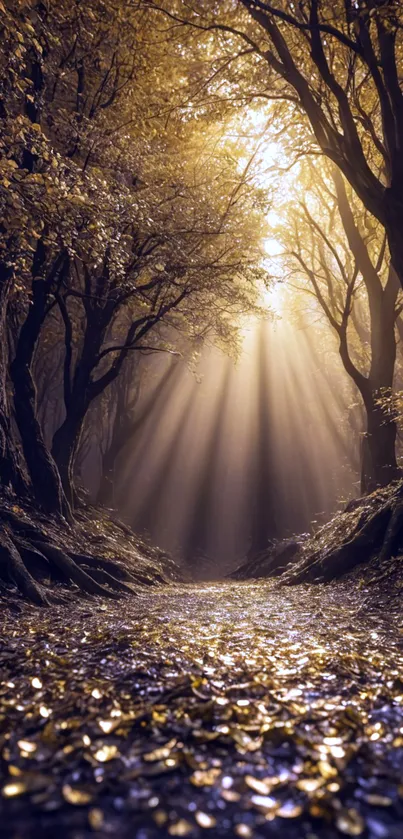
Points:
(109, 215)
(338, 64)
(11, 472)
(120, 232)
(341, 253)
(126, 416)
(164, 271)
(43, 472)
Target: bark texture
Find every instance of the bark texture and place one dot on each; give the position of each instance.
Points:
(11, 471)
(44, 476)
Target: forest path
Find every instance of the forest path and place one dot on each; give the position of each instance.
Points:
(225, 710)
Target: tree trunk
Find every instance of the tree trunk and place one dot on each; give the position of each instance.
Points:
(77, 400)
(106, 489)
(45, 479)
(11, 472)
(378, 462)
(393, 205)
(128, 420)
(42, 469)
(64, 447)
(379, 465)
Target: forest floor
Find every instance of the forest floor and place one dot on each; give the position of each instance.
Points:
(221, 710)
(41, 556)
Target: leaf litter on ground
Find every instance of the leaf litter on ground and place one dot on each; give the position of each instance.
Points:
(229, 709)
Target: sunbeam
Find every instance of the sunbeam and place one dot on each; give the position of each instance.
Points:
(244, 452)
(201, 414)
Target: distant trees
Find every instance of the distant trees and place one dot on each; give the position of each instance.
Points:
(115, 223)
(126, 415)
(332, 73)
(341, 252)
(336, 63)
(342, 60)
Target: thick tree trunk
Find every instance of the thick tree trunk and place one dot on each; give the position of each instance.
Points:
(45, 479)
(11, 472)
(378, 461)
(379, 465)
(64, 448)
(393, 206)
(128, 420)
(42, 469)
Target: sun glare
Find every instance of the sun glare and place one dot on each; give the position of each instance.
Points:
(274, 297)
(252, 135)
(273, 247)
(270, 420)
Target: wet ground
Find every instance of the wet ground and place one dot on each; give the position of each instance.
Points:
(229, 710)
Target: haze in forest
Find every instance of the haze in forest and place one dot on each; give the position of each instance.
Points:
(202, 264)
(201, 404)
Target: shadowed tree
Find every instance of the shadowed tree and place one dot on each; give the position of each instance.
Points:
(342, 255)
(114, 222)
(128, 418)
(11, 472)
(263, 513)
(336, 63)
(149, 507)
(197, 533)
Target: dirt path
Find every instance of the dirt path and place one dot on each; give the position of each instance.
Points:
(219, 710)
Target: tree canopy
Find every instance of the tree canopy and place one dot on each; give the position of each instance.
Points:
(334, 64)
(117, 220)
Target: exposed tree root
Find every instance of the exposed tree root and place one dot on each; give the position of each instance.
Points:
(376, 531)
(31, 561)
(108, 579)
(13, 567)
(117, 571)
(71, 570)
